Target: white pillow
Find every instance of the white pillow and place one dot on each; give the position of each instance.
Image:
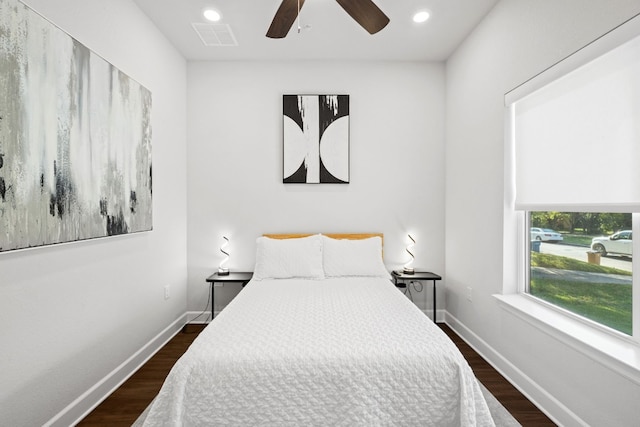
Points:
(360, 257)
(289, 258)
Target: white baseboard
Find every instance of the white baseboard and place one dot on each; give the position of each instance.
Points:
(552, 407)
(440, 314)
(200, 317)
(89, 400)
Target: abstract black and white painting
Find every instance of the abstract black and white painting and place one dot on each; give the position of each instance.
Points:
(316, 139)
(75, 138)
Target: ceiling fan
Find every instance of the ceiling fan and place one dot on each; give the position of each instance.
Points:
(364, 12)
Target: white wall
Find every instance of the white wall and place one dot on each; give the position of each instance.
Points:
(235, 162)
(70, 314)
(518, 39)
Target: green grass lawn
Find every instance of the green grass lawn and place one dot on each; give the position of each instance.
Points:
(606, 303)
(576, 239)
(554, 261)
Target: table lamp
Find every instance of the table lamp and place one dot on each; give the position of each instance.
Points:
(408, 267)
(223, 270)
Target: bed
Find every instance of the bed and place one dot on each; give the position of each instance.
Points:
(320, 336)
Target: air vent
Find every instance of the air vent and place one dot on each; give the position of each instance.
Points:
(215, 34)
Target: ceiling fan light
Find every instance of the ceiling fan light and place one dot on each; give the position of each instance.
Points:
(212, 15)
(421, 16)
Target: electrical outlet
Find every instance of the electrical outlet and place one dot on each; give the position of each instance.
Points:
(469, 293)
(167, 294)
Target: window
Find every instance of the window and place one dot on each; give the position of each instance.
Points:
(578, 263)
(573, 182)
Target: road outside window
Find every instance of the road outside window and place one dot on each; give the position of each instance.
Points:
(581, 262)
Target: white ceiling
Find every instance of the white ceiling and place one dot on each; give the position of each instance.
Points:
(333, 34)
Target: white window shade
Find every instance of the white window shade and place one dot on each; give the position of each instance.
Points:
(577, 139)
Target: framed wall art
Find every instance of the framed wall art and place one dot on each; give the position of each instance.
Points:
(75, 138)
(316, 139)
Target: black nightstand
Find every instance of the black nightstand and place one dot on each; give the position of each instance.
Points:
(399, 276)
(233, 277)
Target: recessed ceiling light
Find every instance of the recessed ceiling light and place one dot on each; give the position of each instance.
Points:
(212, 15)
(421, 16)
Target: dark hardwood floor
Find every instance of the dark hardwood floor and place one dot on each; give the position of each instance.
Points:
(519, 406)
(124, 406)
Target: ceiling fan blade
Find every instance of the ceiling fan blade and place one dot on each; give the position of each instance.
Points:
(284, 19)
(366, 13)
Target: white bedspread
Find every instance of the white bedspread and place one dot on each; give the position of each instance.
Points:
(335, 352)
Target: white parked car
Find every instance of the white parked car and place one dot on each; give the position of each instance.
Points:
(619, 243)
(545, 235)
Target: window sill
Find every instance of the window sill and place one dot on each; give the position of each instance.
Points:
(617, 353)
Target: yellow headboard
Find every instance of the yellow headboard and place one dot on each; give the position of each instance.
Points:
(350, 236)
